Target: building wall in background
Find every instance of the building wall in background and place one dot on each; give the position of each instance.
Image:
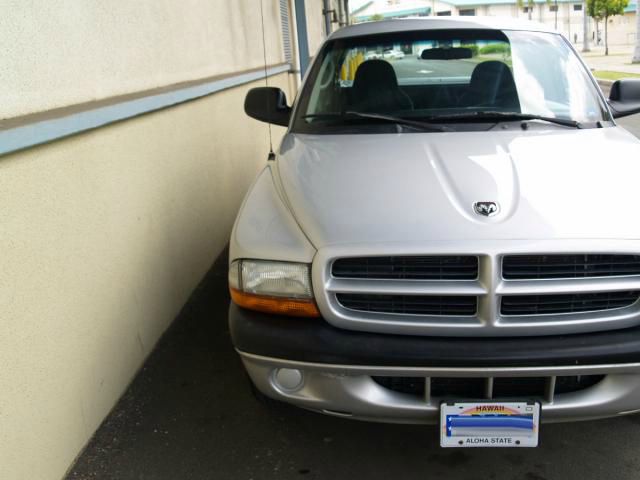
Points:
(622, 28)
(105, 234)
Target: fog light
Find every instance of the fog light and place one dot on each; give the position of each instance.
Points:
(288, 379)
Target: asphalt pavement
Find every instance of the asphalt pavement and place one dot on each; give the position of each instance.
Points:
(189, 414)
(632, 124)
(413, 67)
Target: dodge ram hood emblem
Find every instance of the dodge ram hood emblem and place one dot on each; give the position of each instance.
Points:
(488, 209)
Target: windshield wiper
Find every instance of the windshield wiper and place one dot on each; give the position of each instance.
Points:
(418, 125)
(504, 116)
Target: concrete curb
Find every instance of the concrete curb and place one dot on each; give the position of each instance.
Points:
(604, 83)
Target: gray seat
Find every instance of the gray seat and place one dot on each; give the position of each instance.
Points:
(375, 89)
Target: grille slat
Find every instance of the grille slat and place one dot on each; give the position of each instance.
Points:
(437, 267)
(410, 304)
(531, 267)
(571, 303)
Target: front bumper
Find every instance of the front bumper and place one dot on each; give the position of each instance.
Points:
(350, 391)
(336, 367)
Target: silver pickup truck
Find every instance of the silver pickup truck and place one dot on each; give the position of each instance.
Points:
(450, 230)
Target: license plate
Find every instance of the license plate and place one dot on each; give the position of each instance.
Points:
(489, 424)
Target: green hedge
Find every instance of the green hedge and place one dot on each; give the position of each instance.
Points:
(474, 49)
(495, 48)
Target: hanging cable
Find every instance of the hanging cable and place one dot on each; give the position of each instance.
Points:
(271, 156)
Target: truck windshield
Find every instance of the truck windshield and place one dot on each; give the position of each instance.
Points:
(448, 76)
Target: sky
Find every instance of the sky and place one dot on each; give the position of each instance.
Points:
(355, 4)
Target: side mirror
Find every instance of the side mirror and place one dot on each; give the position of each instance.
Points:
(624, 98)
(268, 104)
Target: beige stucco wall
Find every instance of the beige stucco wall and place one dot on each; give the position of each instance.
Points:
(104, 236)
(63, 52)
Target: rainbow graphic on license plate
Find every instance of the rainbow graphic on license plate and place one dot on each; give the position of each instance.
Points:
(489, 424)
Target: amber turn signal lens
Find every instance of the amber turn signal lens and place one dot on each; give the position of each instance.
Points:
(283, 306)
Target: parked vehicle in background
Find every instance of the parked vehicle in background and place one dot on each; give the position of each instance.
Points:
(372, 55)
(393, 55)
(452, 238)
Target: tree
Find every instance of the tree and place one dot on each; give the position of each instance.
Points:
(376, 17)
(585, 28)
(636, 53)
(602, 10)
(591, 11)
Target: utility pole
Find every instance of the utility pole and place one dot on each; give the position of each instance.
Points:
(340, 13)
(556, 13)
(585, 28)
(326, 11)
(636, 53)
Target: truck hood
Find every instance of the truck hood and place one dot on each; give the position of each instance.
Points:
(553, 183)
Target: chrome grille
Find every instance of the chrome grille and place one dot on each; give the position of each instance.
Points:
(410, 304)
(521, 267)
(402, 295)
(432, 267)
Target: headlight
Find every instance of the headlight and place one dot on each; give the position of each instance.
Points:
(274, 287)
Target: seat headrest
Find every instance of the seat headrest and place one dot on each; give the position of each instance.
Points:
(490, 72)
(375, 73)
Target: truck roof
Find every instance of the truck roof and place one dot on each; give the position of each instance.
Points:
(438, 23)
